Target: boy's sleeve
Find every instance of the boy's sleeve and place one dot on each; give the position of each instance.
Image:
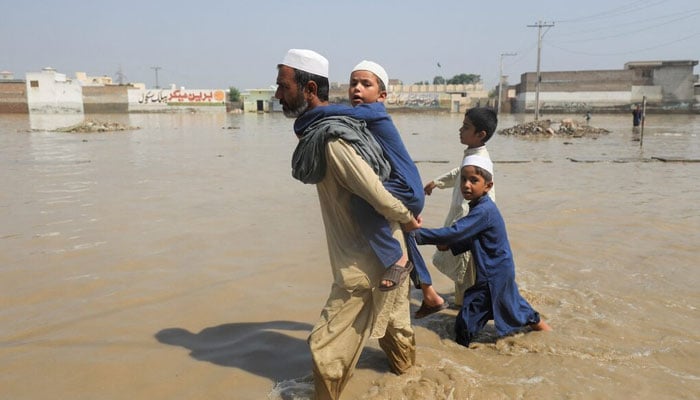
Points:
(456, 236)
(461, 247)
(444, 236)
(447, 179)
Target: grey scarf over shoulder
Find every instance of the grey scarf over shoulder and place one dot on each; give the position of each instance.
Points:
(309, 158)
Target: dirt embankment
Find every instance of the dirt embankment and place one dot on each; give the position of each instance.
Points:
(566, 127)
(96, 126)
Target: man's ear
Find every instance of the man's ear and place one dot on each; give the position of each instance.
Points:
(311, 88)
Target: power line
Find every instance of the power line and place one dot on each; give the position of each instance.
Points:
(617, 24)
(627, 33)
(156, 69)
(634, 6)
(539, 25)
(120, 76)
(500, 80)
(624, 52)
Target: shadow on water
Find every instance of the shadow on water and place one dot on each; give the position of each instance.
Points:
(261, 348)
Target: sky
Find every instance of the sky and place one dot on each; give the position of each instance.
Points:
(219, 44)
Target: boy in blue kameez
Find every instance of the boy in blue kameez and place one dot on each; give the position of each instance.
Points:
(482, 231)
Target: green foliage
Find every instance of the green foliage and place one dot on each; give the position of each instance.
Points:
(461, 79)
(234, 95)
(464, 79)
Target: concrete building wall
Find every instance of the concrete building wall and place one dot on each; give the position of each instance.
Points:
(654, 94)
(51, 92)
(574, 101)
(13, 97)
(665, 84)
(574, 81)
(454, 98)
(86, 80)
(169, 100)
(676, 83)
(105, 99)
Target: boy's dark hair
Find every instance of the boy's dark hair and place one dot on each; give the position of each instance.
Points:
(303, 77)
(483, 119)
(380, 83)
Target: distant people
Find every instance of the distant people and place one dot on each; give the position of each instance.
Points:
(477, 128)
(588, 117)
(343, 160)
(637, 116)
(482, 231)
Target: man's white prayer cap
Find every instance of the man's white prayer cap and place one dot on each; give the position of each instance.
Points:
(478, 161)
(306, 60)
(374, 68)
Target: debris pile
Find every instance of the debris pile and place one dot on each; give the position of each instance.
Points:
(89, 126)
(565, 127)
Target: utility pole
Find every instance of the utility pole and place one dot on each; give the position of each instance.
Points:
(539, 26)
(156, 69)
(500, 80)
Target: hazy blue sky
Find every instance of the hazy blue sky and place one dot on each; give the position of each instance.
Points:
(217, 44)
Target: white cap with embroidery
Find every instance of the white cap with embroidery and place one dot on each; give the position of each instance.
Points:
(374, 68)
(306, 60)
(478, 161)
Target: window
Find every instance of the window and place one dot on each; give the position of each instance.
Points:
(34, 83)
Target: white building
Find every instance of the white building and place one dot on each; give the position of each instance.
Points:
(52, 93)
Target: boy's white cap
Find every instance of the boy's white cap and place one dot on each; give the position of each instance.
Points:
(478, 161)
(374, 68)
(306, 60)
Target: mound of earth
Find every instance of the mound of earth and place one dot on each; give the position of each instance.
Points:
(565, 127)
(89, 126)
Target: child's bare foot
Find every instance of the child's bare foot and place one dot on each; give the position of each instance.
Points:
(541, 326)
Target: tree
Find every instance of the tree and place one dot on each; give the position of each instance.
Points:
(438, 80)
(234, 95)
(464, 79)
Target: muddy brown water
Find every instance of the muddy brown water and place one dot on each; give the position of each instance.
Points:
(182, 261)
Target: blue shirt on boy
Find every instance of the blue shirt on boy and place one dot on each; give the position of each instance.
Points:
(495, 294)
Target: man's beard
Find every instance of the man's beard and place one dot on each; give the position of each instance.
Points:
(297, 107)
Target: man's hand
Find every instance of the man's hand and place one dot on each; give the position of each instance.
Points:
(442, 247)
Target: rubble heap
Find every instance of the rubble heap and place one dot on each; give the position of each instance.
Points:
(567, 127)
(89, 126)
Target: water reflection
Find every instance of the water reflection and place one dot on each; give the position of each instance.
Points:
(51, 122)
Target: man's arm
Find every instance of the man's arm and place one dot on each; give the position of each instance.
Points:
(358, 177)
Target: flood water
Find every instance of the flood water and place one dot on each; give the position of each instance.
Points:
(182, 261)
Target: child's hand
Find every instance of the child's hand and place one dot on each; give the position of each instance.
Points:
(442, 247)
(428, 189)
(412, 225)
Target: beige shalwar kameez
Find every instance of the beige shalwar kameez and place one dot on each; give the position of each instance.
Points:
(355, 307)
